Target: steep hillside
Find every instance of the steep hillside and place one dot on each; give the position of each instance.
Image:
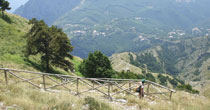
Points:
(203, 86)
(12, 46)
(188, 59)
(12, 31)
(121, 62)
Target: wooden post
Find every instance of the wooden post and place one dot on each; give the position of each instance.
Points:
(129, 86)
(109, 96)
(77, 86)
(6, 77)
(44, 83)
(171, 95)
(93, 83)
(148, 88)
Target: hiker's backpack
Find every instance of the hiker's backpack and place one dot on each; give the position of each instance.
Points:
(138, 89)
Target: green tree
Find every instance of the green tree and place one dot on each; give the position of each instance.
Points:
(96, 65)
(4, 5)
(51, 43)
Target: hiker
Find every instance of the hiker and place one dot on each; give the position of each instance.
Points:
(141, 88)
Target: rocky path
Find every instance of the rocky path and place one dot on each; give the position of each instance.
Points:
(5, 107)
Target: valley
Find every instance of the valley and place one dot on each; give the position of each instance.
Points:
(128, 26)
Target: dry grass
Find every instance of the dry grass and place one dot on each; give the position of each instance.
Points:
(28, 98)
(180, 101)
(206, 92)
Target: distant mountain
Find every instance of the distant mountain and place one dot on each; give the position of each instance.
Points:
(48, 10)
(14, 4)
(187, 1)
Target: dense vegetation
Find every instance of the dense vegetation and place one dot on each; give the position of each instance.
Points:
(150, 61)
(169, 57)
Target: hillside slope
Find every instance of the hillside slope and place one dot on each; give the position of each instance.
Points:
(13, 45)
(121, 62)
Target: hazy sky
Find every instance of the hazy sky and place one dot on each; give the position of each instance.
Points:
(14, 4)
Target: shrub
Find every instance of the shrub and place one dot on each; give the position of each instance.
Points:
(127, 75)
(95, 105)
(180, 81)
(187, 88)
(196, 72)
(150, 77)
(173, 82)
(63, 106)
(163, 79)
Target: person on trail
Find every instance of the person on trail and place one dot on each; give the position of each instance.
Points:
(141, 88)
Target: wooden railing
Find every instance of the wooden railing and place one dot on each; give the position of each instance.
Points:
(109, 87)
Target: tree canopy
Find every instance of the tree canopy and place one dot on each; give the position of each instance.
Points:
(96, 65)
(51, 43)
(4, 5)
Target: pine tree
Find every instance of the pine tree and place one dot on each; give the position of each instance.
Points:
(4, 5)
(96, 65)
(53, 45)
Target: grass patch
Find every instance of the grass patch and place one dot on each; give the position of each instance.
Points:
(180, 101)
(77, 61)
(27, 98)
(93, 104)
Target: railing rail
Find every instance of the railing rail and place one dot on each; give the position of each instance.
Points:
(106, 86)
